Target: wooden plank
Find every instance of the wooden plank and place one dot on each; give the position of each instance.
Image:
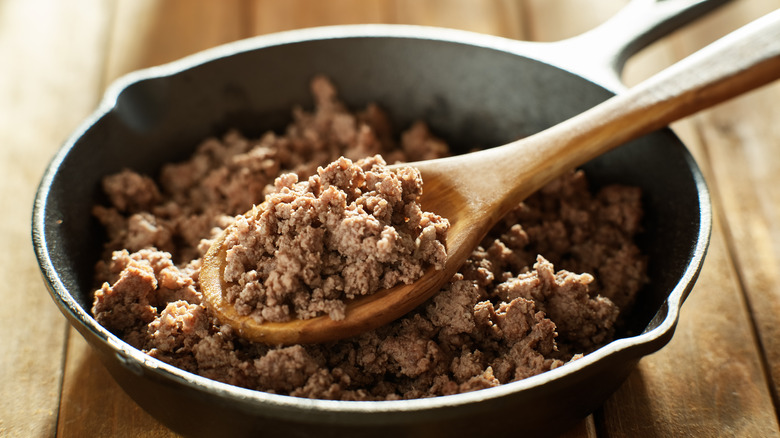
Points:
(497, 17)
(709, 381)
(150, 32)
(740, 138)
(46, 88)
(145, 33)
(275, 16)
(561, 19)
(93, 404)
(711, 393)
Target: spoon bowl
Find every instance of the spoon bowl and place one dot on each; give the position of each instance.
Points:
(474, 191)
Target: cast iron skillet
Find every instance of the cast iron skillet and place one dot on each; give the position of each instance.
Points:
(474, 91)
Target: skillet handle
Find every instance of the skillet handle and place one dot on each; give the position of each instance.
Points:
(601, 53)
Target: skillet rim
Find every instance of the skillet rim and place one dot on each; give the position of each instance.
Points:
(138, 362)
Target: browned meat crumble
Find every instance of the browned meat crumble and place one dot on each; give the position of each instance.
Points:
(507, 315)
(349, 230)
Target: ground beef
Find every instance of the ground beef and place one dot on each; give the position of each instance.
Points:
(543, 288)
(349, 230)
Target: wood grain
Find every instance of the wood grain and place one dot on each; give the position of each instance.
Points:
(496, 17)
(274, 16)
(46, 88)
(146, 33)
(709, 380)
(659, 398)
(558, 20)
(717, 377)
(740, 140)
(93, 404)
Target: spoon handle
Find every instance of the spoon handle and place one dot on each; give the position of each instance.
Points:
(743, 60)
(739, 62)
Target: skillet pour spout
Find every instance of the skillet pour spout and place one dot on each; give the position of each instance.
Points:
(156, 116)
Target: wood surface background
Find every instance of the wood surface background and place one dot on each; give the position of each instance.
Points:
(719, 376)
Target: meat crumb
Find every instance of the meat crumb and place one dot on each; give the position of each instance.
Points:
(547, 285)
(348, 231)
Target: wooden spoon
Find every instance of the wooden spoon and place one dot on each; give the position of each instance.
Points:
(474, 191)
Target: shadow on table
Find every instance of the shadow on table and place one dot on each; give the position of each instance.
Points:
(93, 404)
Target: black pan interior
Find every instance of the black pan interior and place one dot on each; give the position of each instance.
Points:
(471, 96)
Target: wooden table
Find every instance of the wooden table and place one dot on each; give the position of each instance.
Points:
(720, 375)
